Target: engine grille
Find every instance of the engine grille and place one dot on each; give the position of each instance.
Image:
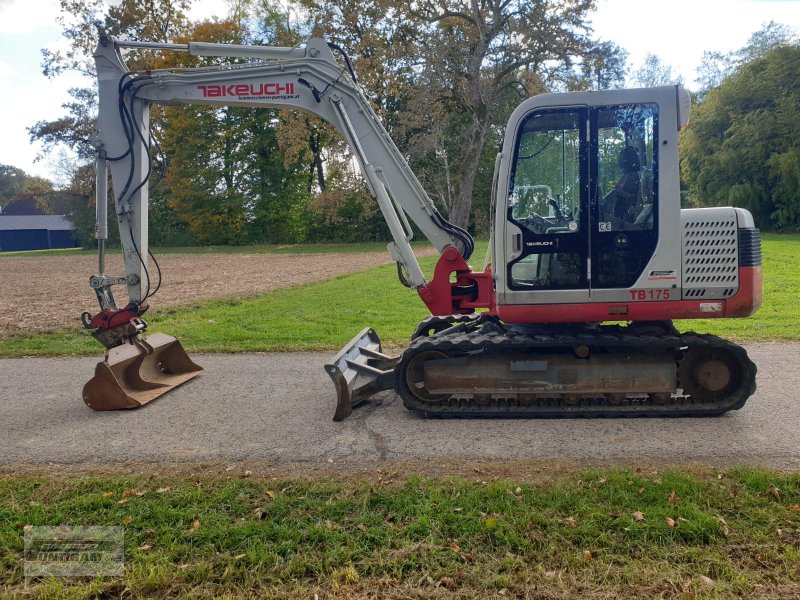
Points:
(710, 253)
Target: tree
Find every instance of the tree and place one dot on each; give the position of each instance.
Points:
(227, 176)
(22, 192)
(82, 21)
(741, 146)
(716, 66)
(654, 72)
(603, 67)
(12, 181)
(459, 65)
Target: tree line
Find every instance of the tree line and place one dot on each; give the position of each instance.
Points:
(444, 75)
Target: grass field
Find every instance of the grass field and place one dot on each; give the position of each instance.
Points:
(326, 315)
(607, 533)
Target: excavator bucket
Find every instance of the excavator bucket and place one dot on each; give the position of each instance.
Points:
(136, 373)
(358, 371)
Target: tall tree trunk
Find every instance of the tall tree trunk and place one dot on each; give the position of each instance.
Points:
(315, 169)
(476, 140)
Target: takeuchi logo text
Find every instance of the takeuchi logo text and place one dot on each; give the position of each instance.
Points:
(239, 90)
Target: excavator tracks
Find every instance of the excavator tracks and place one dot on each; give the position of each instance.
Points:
(480, 368)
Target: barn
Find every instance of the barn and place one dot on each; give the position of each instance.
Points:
(36, 232)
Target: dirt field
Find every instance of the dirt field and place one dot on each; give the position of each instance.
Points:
(49, 292)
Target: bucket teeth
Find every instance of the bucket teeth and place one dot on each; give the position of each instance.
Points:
(359, 371)
(139, 372)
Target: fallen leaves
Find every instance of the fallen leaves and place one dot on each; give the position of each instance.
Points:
(457, 549)
(196, 524)
(127, 520)
(723, 527)
(671, 523)
(448, 583)
(673, 499)
(569, 522)
(707, 581)
(775, 493)
(587, 555)
(638, 516)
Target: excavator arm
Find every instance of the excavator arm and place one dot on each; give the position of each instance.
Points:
(306, 77)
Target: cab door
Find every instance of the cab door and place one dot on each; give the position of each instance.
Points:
(582, 210)
(547, 208)
(623, 154)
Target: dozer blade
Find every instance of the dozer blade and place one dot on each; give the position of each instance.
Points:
(358, 371)
(137, 373)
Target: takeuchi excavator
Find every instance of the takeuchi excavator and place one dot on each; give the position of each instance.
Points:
(591, 255)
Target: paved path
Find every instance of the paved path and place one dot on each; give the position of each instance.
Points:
(278, 407)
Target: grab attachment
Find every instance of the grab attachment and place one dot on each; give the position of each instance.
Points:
(359, 371)
(138, 372)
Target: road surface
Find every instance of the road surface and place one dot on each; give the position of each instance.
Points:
(278, 407)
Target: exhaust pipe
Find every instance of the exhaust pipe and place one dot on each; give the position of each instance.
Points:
(359, 371)
(138, 372)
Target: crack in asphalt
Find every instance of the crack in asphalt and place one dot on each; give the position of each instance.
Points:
(363, 422)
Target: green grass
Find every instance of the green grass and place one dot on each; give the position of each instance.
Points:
(574, 535)
(324, 316)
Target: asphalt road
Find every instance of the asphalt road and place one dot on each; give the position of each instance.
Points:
(278, 407)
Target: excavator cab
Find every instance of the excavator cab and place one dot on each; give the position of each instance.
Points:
(585, 208)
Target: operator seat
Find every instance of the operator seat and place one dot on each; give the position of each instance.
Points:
(644, 209)
(626, 192)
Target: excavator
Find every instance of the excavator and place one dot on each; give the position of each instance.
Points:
(591, 257)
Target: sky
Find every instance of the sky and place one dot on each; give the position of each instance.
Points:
(678, 31)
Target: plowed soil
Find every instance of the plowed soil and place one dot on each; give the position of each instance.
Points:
(46, 293)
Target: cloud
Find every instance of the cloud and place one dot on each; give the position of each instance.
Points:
(24, 16)
(6, 70)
